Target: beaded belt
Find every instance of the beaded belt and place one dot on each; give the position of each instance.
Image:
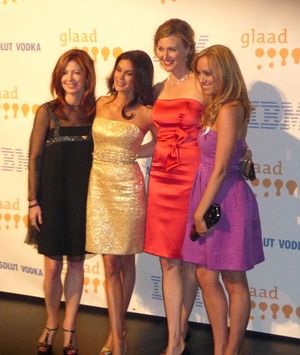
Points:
(110, 156)
(67, 139)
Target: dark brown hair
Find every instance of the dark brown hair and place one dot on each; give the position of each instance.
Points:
(143, 79)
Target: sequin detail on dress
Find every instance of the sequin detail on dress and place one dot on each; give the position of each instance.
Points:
(116, 197)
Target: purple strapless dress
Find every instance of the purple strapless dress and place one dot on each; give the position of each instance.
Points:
(235, 243)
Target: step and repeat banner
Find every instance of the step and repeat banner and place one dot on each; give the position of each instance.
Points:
(265, 37)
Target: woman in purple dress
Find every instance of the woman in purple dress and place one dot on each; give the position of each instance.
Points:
(235, 243)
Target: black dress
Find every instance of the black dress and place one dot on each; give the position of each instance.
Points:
(64, 174)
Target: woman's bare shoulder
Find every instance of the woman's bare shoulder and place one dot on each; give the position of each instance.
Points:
(157, 89)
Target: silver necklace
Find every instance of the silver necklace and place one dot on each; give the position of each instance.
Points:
(178, 81)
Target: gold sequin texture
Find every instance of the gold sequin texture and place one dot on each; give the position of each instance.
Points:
(116, 195)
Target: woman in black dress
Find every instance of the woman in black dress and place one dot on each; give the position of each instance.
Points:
(59, 165)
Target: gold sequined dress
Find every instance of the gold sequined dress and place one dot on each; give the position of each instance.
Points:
(116, 195)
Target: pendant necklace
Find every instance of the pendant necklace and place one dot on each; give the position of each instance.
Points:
(178, 81)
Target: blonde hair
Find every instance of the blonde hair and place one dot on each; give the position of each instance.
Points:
(233, 87)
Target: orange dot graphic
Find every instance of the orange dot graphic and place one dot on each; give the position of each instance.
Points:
(96, 283)
(263, 306)
(15, 108)
(271, 53)
(278, 184)
(5, 108)
(283, 53)
(287, 309)
(105, 52)
(266, 183)
(253, 305)
(7, 218)
(259, 52)
(86, 282)
(274, 308)
(296, 55)
(25, 220)
(25, 109)
(16, 219)
(95, 52)
(34, 108)
(291, 185)
(117, 51)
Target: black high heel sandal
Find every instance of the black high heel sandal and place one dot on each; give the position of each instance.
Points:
(44, 348)
(70, 349)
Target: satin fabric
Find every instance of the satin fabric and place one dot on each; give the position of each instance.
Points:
(175, 161)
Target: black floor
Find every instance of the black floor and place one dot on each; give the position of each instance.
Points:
(22, 319)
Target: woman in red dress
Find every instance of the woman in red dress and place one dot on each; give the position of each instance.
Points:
(176, 114)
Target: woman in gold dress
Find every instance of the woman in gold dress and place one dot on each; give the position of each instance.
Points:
(116, 197)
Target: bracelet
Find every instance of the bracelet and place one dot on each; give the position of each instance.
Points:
(34, 205)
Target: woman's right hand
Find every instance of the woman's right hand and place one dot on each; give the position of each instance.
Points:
(35, 216)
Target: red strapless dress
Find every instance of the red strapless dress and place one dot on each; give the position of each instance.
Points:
(174, 164)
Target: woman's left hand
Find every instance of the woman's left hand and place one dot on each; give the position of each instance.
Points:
(200, 224)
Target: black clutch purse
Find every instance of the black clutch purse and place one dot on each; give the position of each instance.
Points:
(247, 169)
(211, 217)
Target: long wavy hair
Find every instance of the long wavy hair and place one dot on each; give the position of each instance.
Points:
(88, 102)
(233, 87)
(143, 79)
(181, 29)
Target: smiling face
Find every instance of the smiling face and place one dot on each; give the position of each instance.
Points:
(208, 74)
(124, 77)
(172, 54)
(73, 79)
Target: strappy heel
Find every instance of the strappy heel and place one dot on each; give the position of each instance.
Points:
(105, 351)
(44, 348)
(70, 349)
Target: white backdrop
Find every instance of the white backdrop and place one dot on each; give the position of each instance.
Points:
(264, 35)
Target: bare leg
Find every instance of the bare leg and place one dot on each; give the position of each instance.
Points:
(190, 288)
(128, 279)
(53, 294)
(115, 299)
(216, 306)
(127, 276)
(173, 298)
(239, 308)
(73, 286)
